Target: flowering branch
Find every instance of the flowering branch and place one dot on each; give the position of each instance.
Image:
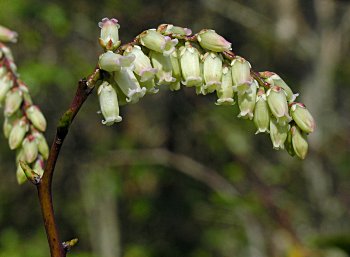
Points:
(168, 56)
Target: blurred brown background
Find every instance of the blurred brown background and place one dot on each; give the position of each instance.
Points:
(181, 176)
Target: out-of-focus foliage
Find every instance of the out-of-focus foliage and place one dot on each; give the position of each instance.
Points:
(181, 176)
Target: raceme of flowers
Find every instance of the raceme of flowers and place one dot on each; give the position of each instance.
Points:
(171, 56)
(24, 123)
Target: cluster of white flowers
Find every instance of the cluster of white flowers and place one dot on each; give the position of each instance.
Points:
(24, 123)
(171, 56)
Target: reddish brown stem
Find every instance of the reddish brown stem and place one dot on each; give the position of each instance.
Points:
(84, 89)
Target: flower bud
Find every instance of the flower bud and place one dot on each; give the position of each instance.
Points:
(212, 71)
(26, 96)
(36, 117)
(109, 104)
(241, 74)
(246, 102)
(288, 144)
(39, 166)
(303, 118)
(43, 148)
(142, 63)
(128, 83)
(110, 61)
(261, 113)
(20, 175)
(190, 67)
(9, 123)
(225, 90)
(30, 149)
(278, 133)
(169, 29)
(6, 84)
(274, 80)
(299, 142)
(13, 101)
(7, 35)
(109, 38)
(163, 65)
(212, 41)
(7, 52)
(276, 98)
(150, 85)
(157, 42)
(17, 133)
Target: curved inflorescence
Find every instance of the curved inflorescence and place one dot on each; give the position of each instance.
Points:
(24, 123)
(171, 56)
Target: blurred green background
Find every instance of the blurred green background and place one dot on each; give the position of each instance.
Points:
(181, 176)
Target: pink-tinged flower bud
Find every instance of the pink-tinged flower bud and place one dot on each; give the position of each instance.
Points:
(241, 77)
(176, 71)
(169, 29)
(128, 83)
(142, 63)
(299, 142)
(246, 102)
(109, 104)
(109, 38)
(190, 67)
(26, 96)
(7, 53)
(212, 41)
(7, 35)
(110, 61)
(163, 65)
(42, 144)
(13, 101)
(261, 113)
(36, 117)
(30, 149)
(39, 166)
(278, 133)
(225, 90)
(6, 84)
(157, 42)
(212, 71)
(303, 118)
(276, 98)
(17, 133)
(9, 123)
(274, 80)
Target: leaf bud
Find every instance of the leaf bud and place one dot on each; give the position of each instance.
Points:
(209, 39)
(108, 104)
(29, 173)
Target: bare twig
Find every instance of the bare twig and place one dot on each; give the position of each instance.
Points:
(44, 187)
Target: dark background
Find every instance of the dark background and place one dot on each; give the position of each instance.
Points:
(181, 176)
